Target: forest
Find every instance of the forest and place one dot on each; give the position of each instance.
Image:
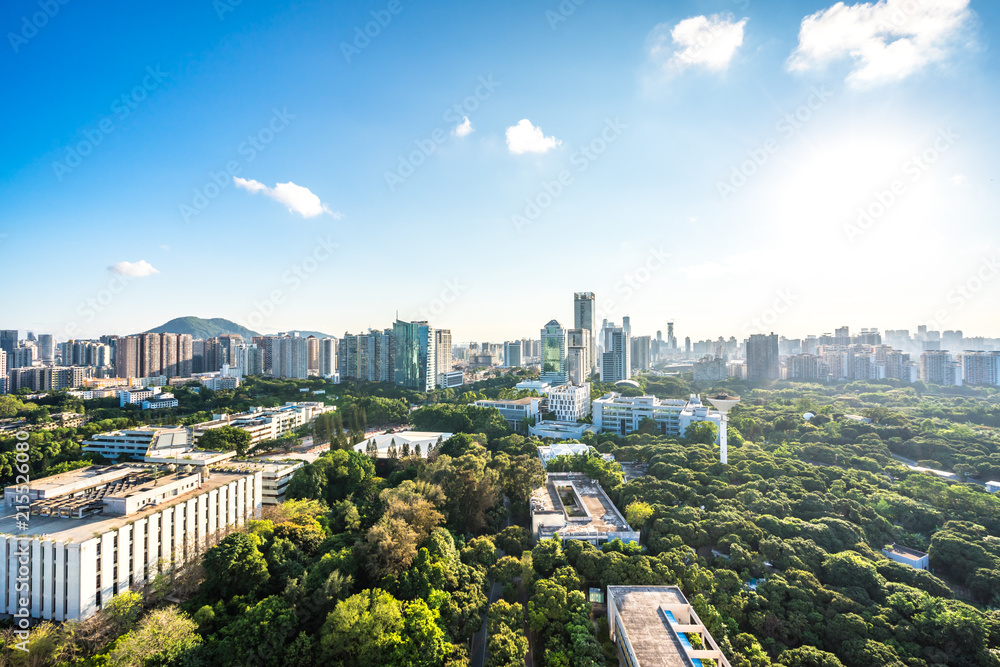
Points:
(427, 561)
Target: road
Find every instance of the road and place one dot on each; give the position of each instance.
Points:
(477, 651)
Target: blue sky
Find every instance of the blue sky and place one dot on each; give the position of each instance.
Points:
(732, 165)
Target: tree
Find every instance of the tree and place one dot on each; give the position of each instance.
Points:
(519, 477)
(160, 638)
(226, 439)
(506, 648)
(362, 630)
(547, 556)
(809, 656)
(636, 513)
(703, 433)
(235, 566)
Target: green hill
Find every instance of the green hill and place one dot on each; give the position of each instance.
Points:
(202, 328)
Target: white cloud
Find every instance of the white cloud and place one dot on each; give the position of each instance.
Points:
(139, 269)
(298, 199)
(526, 138)
(464, 129)
(705, 41)
(164, 246)
(959, 179)
(888, 40)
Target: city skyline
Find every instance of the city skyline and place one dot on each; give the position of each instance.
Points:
(717, 151)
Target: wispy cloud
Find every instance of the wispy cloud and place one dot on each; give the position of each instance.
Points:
(526, 138)
(297, 198)
(888, 40)
(464, 129)
(701, 41)
(139, 269)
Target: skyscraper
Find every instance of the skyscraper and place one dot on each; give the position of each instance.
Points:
(583, 318)
(8, 341)
(554, 354)
(512, 354)
(578, 363)
(641, 357)
(616, 362)
(46, 348)
(762, 357)
(414, 355)
(442, 344)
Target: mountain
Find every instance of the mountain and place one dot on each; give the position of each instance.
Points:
(306, 334)
(202, 328)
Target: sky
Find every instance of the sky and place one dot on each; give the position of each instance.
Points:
(735, 166)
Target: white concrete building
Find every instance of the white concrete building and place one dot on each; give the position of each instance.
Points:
(614, 413)
(569, 402)
(138, 443)
(265, 423)
(560, 430)
(915, 559)
(96, 532)
(575, 507)
(423, 439)
(515, 411)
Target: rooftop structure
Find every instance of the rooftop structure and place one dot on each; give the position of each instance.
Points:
(264, 423)
(574, 506)
(560, 430)
(993, 487)
(562, 449)
(906, 556)
(137, 443)
(383, 442)
(652, 626)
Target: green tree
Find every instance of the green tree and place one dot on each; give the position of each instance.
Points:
(235, 566)
(226, 439)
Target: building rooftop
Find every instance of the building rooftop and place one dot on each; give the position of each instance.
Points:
(657, 622)
(66, 529)
(589, 510)
(648, 630)
(905, 552)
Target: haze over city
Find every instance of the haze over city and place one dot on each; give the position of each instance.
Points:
(691, 162)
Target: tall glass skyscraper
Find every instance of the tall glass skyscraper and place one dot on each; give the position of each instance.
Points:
(414, 355)
(554, 354)
(583, 318)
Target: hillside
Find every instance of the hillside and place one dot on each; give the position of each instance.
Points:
(202, 328)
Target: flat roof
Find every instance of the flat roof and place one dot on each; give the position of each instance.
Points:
(65, 529)
(605, 517)
(649, 634)
(906, 552)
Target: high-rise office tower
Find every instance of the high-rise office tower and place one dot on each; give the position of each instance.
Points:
(46, 348)
(512, 354)
(583, 318)
(8, 341)
(442, 346)
(414, 349)
(762, 357)
(578, 342)
(627, 324)
(616, 361)
(327, 357)
(554, 354)
(641, 353)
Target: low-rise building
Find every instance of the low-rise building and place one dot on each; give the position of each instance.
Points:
(655, 626)
(563, 449)
(96, 532)
(560, 430)
(614, 413)
(382, 443)
(450, 379)
(264, 423)
(575, 507)
(137, 443)
(160, 401)
(915, 559)
(993, 487)
(518, 411)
